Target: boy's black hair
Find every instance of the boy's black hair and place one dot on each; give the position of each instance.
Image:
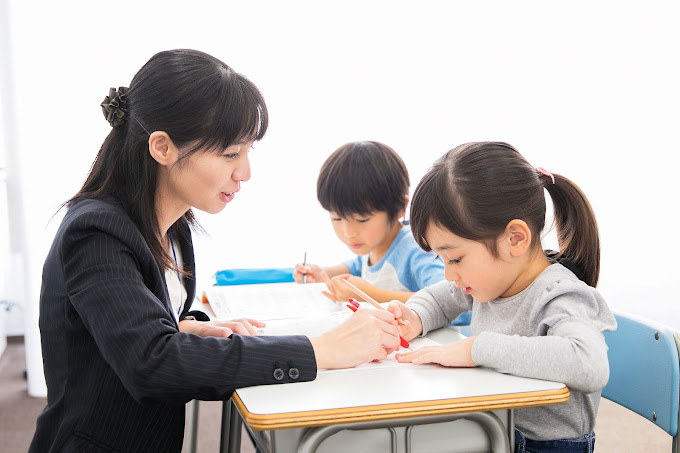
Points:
(361, 178)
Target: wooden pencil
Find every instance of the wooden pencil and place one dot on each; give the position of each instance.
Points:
(367, 298)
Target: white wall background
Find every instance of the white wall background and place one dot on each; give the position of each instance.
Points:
(586, 89)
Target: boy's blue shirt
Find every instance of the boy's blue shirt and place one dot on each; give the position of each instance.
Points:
(405, 266)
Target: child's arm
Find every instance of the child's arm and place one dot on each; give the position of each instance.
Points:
(566, 344)
(313, 272)
(385, 295)
(338, 291)
(439, 304)
(561, 337)
(574, 353)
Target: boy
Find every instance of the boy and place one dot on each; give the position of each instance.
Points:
(364, 187)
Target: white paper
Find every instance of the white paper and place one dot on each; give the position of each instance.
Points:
(312, 326)
(270, 301)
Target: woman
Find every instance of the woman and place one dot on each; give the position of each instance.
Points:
(121, 351)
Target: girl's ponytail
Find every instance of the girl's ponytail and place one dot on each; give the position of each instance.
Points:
(475, 189)
(576, 227)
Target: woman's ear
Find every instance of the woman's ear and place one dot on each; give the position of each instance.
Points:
(517, 237)
(162, 149)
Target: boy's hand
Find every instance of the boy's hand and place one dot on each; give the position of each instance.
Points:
(338, 291)
(312, 272)
(458, 354)
(413, 325)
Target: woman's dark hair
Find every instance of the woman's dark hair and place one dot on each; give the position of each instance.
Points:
(201, 103)
(360, 178)
(476, 189)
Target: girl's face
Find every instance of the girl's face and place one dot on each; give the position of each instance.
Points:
(365, 234)
(207, 180)
(472, 267)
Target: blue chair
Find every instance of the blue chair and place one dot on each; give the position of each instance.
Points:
(223, 278)
(643, 371)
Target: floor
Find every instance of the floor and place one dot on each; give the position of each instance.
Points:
(617, 429)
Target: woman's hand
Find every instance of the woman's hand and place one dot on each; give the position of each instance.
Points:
(311, 271)
(458, 354)
(220, 328)
(368, 335)
(413, 326)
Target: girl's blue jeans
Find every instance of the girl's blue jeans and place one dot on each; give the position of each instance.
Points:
(583, 444)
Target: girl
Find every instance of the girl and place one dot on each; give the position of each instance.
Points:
(481, 208)
(121, 353)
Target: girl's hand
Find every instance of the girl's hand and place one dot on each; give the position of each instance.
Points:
(338, 291)
(312, 272)
(368, 335)
(413, 326)
(220, 328)
(458, 354)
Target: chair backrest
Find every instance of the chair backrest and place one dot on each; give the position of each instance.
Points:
(253, 276)
(643, 370)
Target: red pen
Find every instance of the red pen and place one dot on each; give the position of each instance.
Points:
(367, 298)
(354, 306)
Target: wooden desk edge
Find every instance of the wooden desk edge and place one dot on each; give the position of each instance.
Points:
(308, 419)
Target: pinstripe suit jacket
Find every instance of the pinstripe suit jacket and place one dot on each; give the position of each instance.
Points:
(118, 370)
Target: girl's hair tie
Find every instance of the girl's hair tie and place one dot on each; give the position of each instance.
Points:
(545, 172)
(114, 106)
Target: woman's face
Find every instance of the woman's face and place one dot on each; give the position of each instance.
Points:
(208, 180)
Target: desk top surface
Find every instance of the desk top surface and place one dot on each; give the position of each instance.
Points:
(391, 391)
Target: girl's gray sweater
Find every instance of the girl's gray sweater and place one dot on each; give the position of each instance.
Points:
(552, 330)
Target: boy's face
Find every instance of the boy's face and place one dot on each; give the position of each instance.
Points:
(364, 234)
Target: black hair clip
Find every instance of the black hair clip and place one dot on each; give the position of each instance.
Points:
(114, 106)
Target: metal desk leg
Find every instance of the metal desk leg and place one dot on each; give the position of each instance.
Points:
(489, 421)
(502, 438)
(230, 432)
(192, 435)
(511, 429)
(226, 422)
(235, 428)
(261, 440)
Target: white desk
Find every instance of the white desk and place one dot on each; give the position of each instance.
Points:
(301, 416)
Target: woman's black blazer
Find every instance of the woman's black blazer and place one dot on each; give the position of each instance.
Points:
(118, 371)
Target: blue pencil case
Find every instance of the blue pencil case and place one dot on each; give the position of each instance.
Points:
(253, 276)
